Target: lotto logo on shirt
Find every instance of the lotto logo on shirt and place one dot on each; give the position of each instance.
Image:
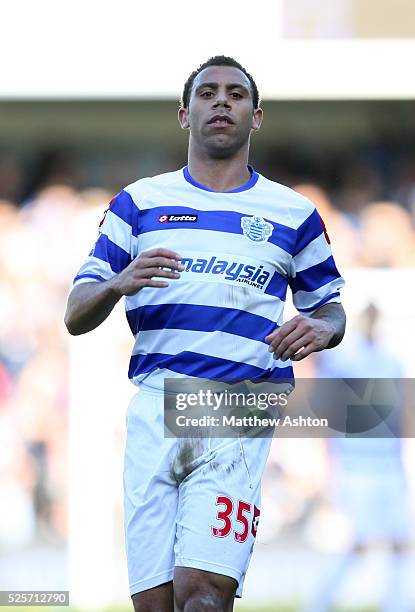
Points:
(177, 218)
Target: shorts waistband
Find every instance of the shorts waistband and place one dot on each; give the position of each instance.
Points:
(143, 388)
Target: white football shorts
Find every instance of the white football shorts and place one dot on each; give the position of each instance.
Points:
(187, 502)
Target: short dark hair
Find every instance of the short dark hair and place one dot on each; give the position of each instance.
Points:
(218, 60)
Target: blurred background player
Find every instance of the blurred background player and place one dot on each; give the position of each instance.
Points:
(368, 480)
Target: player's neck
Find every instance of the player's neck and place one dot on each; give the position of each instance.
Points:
(220, 174)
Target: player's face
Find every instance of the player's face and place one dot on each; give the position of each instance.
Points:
(220, 114)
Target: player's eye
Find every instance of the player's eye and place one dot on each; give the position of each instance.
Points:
(207, 94)
(236, 95)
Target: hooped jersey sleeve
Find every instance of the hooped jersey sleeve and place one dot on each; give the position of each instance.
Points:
(116, 244)
(314, 278)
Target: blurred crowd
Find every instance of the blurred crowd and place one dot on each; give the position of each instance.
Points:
(45, 236)
(42, 244)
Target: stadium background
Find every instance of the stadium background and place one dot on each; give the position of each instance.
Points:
(88, 104)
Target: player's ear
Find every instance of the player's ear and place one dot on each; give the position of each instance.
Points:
(183, 118)
(257, 119)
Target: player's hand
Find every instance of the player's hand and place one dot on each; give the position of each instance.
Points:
(158, 263)
(299, 337)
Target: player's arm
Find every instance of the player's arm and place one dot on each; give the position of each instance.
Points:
(89, 304)
(315, 283)
(303, 335)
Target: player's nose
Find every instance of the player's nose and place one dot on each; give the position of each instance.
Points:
(221, 100)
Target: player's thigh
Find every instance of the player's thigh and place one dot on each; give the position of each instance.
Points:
(159, 598)
(219, 507)
(201, 590)
(150, 496)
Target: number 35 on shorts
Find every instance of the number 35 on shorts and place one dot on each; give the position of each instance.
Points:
(247, 515)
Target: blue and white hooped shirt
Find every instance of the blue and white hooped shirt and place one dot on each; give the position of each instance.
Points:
(241, 250)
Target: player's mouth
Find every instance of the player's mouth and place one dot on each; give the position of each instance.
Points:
(220, 121)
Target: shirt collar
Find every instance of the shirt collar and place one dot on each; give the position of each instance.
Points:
(252, 181)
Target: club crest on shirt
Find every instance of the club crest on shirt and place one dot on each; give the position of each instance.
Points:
(256, 228)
